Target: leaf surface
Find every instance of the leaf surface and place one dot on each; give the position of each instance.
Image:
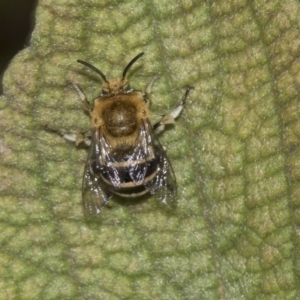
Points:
(235, 152)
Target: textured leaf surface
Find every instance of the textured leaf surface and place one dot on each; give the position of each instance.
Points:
(235, 151)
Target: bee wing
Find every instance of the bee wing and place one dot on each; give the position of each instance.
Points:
(164, 184)
(94, 194)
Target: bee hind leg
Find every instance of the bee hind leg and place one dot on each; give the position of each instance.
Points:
(170, 118)
(79, 138)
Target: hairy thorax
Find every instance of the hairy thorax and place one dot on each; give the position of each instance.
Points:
(119, 117)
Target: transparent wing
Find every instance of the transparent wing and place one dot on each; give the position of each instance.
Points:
(94, 194)
(164, 185)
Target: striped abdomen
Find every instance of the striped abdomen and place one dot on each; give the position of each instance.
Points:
(129, 177)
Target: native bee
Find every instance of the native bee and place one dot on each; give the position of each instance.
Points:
(125, 157)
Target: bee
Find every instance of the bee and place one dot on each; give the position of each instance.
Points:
(125, 156)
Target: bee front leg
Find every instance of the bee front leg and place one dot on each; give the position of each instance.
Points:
(85, 103)
(170, 118)
(147, 95)
(81, 137)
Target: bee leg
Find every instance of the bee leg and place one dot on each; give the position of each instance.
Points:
(81, 137)
(170, 118)
(85, 103)
(147, 95)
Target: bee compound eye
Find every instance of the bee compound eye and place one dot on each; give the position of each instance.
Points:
(95, 167)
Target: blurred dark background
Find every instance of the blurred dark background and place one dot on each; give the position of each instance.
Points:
(16, 25)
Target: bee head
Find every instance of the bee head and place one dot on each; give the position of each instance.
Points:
(115, 85)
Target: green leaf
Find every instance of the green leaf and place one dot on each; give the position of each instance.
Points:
(235, 152)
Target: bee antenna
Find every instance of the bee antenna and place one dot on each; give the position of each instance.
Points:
(130, 64)
(93, 68)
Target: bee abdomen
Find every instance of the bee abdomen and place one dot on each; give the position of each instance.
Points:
(136, 191)
(130, 179)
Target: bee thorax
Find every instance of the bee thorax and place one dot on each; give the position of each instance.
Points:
(120, 119)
